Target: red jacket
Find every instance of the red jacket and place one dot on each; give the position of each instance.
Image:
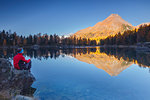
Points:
(17, 58)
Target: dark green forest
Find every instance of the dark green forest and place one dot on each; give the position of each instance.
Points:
(130, 37)
(12, 39)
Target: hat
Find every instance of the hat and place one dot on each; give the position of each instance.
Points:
(20, 50)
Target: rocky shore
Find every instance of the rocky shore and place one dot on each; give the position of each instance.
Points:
(15, 84)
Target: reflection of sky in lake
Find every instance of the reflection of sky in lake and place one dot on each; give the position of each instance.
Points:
(67, 78)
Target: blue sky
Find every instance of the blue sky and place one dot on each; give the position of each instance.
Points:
(67, 16)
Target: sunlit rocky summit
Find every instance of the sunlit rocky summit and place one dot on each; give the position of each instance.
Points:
(15, 83)
(110, 26)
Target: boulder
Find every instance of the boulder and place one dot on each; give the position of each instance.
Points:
(14, 82)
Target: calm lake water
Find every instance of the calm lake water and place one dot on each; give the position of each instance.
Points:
(88, 73)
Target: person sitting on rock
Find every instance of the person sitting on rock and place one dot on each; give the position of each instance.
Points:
(20, 62)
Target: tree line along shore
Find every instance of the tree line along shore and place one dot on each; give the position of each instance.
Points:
(128, 38)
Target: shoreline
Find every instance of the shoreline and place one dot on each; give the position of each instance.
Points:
(46, 46)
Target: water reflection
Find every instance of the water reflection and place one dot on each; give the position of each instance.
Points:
(109, 64)
(62, 79)
(111, 60)
(130, 55)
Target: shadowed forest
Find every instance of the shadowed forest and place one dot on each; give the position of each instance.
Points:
(130, 37)
(130, 55)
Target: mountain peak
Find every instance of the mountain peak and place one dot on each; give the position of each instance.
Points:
(114, 15)
(116, 20)
(110, 26)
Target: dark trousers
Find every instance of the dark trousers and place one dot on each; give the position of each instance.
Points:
(25, 66)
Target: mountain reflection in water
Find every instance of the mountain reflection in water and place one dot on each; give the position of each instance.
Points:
(111, 60)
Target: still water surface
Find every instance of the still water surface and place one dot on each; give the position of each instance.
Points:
(89, 74)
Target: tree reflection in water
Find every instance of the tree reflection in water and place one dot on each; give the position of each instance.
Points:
(128, 54)
(111, 60)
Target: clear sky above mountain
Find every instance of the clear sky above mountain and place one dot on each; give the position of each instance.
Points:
(67, 16)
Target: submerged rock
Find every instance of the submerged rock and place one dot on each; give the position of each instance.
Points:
(20, 97)
(14, 82)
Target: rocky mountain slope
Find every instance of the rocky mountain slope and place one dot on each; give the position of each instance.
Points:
(142, 25)
(110, 26)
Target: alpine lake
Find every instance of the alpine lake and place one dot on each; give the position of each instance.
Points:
(87, 73)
